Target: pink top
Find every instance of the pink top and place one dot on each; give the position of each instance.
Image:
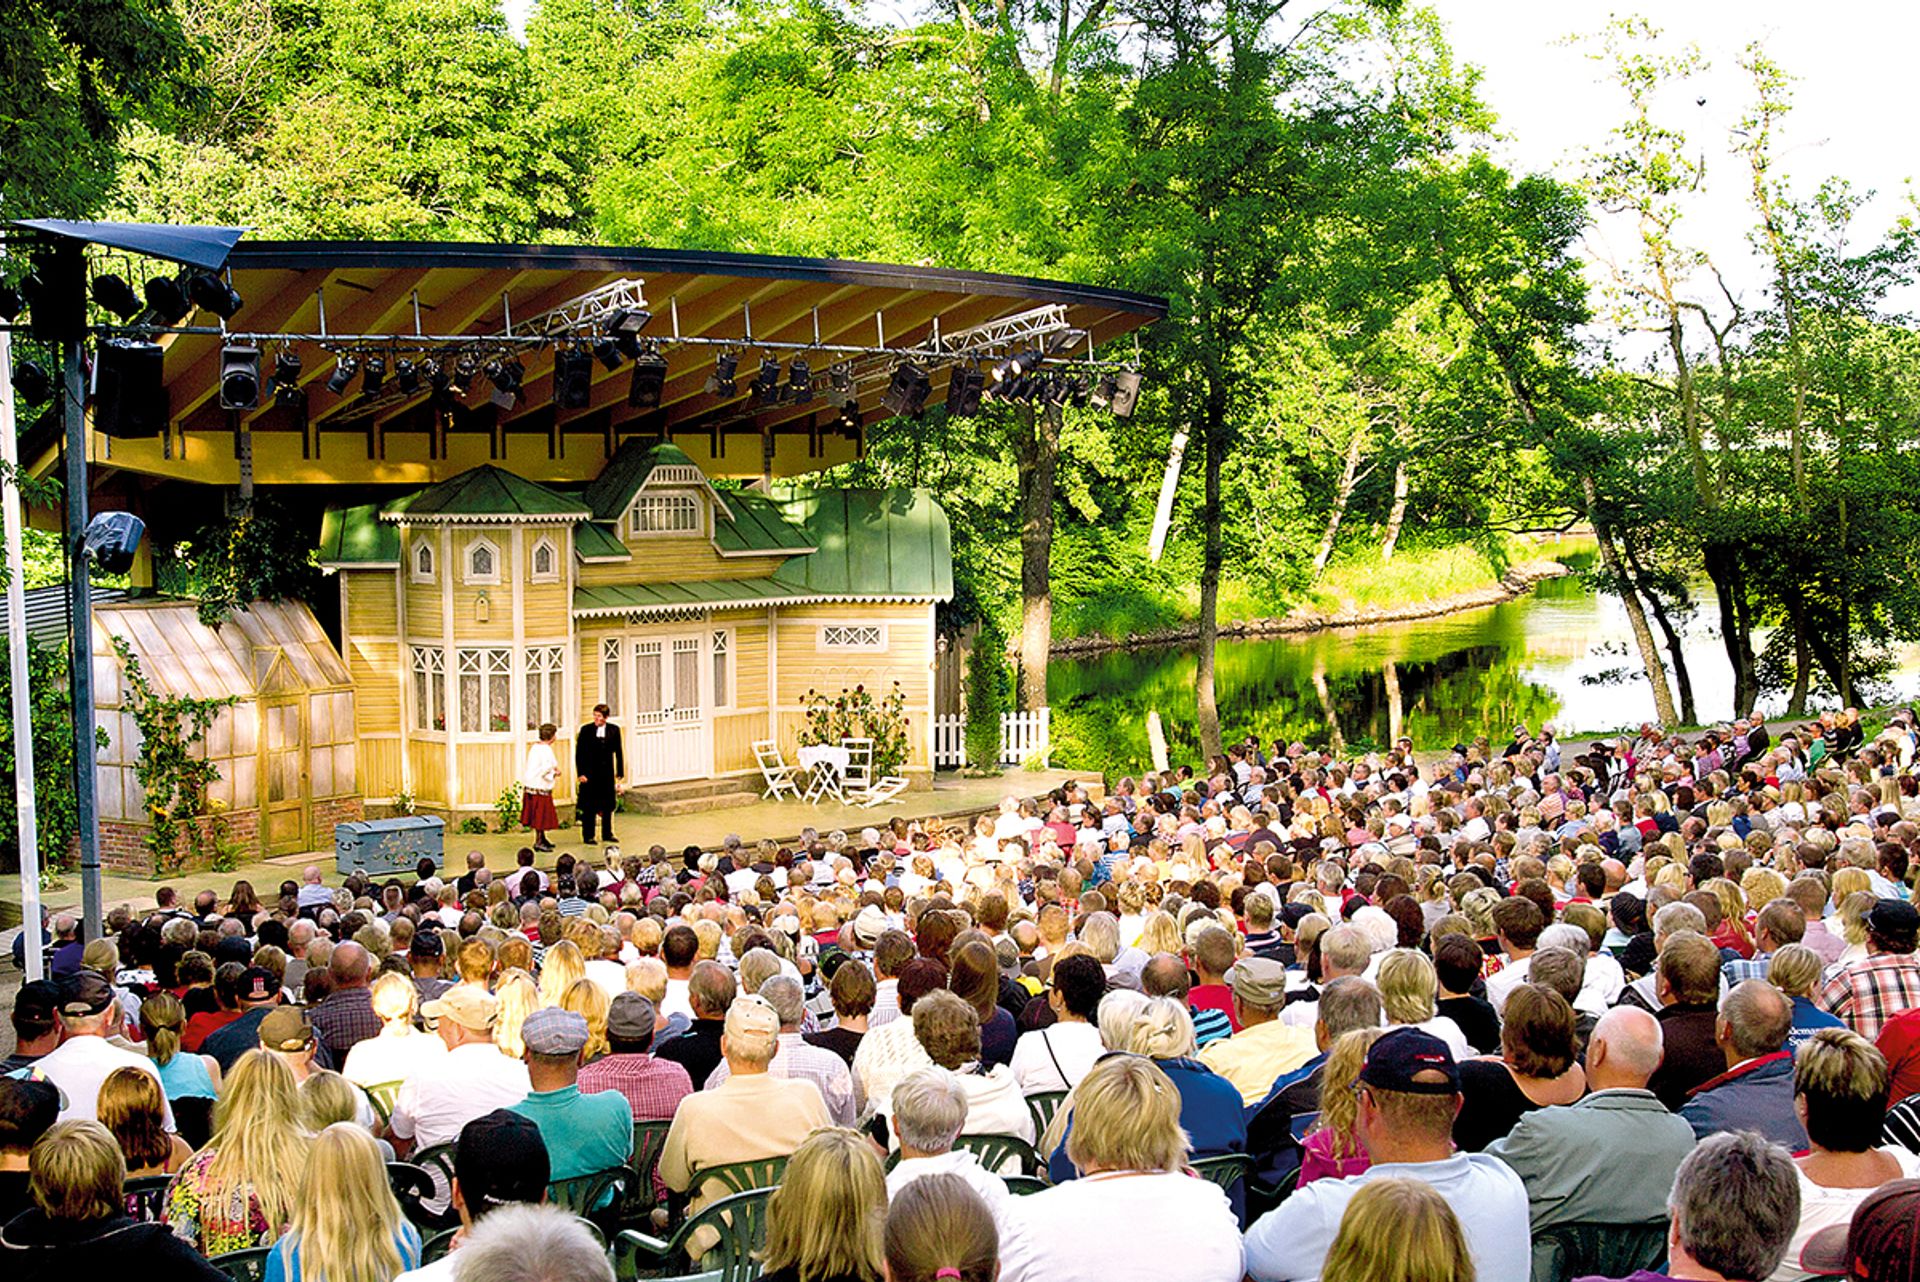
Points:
(1317, 1160)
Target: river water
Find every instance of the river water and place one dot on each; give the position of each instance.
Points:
(1562, 653)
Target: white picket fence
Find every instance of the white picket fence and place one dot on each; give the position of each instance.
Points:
(1023, 735)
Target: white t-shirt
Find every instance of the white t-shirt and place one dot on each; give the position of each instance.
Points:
(611, 976)
(80, 1064)
(391, 1058)
(1501, 983)
(963, 1164)
(1822, 1207)
(468, 1082)
(1122, 1227)
(676, 1002)
(1055, 1058)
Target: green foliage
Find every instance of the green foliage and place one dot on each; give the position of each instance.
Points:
(57, 818)
(989, 695)
(506, 808)
(856, 714)
(172, 776)
(473, 825)
(258, 554)
(403, 803)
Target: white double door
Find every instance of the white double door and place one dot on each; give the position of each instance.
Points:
(669, 696)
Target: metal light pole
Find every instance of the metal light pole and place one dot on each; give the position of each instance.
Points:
(80, 646)
(28, 825)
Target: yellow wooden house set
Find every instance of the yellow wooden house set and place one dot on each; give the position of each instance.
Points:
(479, 608)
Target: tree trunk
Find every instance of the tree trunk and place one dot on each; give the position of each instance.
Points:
(1213, 438)
(1735, 633)
(1038, 449)
(1802, 653)
(1663, 710)
(1324, 552)
(1396, 708)
(1682, 679)
(1336, 742)
(1398, 513)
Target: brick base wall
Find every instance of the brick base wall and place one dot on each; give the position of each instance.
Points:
(335, 810)
(123, 845)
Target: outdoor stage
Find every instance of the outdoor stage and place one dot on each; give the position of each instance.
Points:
(952, 797)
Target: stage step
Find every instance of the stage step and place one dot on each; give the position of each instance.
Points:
(654, 804)
(681, 789)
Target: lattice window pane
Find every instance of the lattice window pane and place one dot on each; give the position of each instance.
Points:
(722, 657)
(610, 676)
(552, 711)
(647, 694)
(666, 514)
(471, 694)
(480, 562)
(545, 560)
(686, 674)
(853, 636)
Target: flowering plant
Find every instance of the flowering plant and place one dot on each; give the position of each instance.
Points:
(856, 714)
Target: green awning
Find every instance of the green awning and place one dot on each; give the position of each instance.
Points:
(657, 598)
(593, 541)
(486, 493)
(357, 536)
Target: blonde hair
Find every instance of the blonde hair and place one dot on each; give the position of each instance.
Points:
(1399, 1230)
(1163, 1029)
(559, 968)
(648, 977)
(1795, 970)
(257, 1143)
(395, 999)
(326, 1098)
(1762, 886)
(516, 998)
(1409, 987)
(162, 1022)
(1848, 880)
(347, 1219)
(1339, 1109)
(590, 1001)
(76, 1172)
(132, 1106)
(828, 1216)
(1126, 1116)
(1853, 913)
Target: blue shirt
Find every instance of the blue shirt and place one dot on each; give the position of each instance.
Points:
(584, 1133)
(185, 1076)
(283, 1262)
(1210, 1114)
(1809, 1019)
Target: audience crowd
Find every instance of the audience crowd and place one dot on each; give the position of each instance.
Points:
(1514, 1011)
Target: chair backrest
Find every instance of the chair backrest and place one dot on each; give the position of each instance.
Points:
(249, 1265)
(649, 1138)
(1021, 1185)
(585, 1195)
(1043, 1105)
(1224, 1169)
(1615, 1250)
(382, 1095)
(436, 1246)
(414, 1188)
(767, 753)
(859, 761)
(740, 1220)
(742, 1177)
(1301, 1123)
(147, 1196)
(997, 1151)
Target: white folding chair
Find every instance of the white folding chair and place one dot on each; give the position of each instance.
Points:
(857, 779)
(774, 770)
(884, 789)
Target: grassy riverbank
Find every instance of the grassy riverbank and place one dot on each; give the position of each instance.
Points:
(1353, 582)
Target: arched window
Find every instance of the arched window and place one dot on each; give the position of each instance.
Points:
(423, 562)
(544, 562)
(483, 561)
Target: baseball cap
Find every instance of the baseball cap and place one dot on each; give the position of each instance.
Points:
(258, 985)
(467, 1005)
(426, 943)
(1881, 1243)
(1395, 1059)
(37, 1000)
(285, 1029)
(234, 948)
(1893, 917)
(84, 993)
(630, 1018)
(1258, 981)
(869, 924)
(500, 1158)
(553, 1031)
(27, 1109)
(752, 1019)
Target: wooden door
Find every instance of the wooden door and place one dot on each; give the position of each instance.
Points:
(669, 710)
(283, 805)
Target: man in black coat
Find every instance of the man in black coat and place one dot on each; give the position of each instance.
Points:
(600, 762)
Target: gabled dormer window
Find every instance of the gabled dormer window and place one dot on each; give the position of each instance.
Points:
(423, 562)
(483, 561)
(543, 563)
(656, 514)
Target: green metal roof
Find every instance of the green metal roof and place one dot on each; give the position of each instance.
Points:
(883, 543)
(486, 493)
(593, 541)
(620, 598)
(609, 493)
(758, 526)
(356, 536)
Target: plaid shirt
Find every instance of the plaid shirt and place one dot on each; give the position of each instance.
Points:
(343, 1020)
(793, 1057)
(1742, 969)
(1868, 993)
(653, 1087)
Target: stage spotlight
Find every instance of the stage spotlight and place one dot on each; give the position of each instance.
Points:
(343, 371)
(573, 378)
(167, 298)
(725, 365)
(406, 376)
(624, 327)
(437, 377)
(907, 393)
(506, 376)
(850, 420)
(373, 374)
(1126, 393)
(766, 384)
(114, 294)
(799, 381)
(10, 303)
(964, 386)
(463, 371)
(32, 383)
(129, 390)
(840, 379)
(608, 350)
(649, 380)
(239, 377)
(286, 378)
(214, 294)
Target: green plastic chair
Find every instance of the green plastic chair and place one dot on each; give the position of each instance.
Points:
(742, 1177)
(996, 1151)
(1022, 1185)
(249, 1265)
(382, 1095)
(741, 1221)
(597, 1193)
(1613, 1250)
(1043, 1105)
(414, 1189)
(1224, 1169)
(643, 1193)
(147, 1198)
(436, 1246)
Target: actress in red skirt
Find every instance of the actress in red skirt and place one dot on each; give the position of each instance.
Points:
(536, 789)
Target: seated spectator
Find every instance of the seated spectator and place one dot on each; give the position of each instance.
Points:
(1878, 1242)
(78, 1225)
(1687, 984)
(950, 1032)
(130, 1107)
(27, 1110)
(1210, 1000)
(257, 996)
(710, 992)
(240, 1190)
(1409, 1092)
(1608, 1158)
(793, 1057)
(533, 1244)
(36, 1026)
(1346, 1005)
(346, 1223)
(975, 978)
(584, 1134)
(1840, 1090)
(826, 1220)
(1409, 992)
(401, 1048)
(1331, 1148)
(223, 1009)
(1733, 1208)
(474, 1077)
(1265, 1048)
(1399, 1230)
(183, 1075)
(1539, 1065)
(89, 1017)
(653, 1086)
(1868, 993)
(751, 1115)
(1457, 960)
(1055, 1058)
(1130, 1152)
(1795, 970)
(852, 992)
(1756, 1093)
(939, 1229)
(929, 1110)
(498, 1161)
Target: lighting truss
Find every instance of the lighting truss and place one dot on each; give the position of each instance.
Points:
(588, 313)
(1023, 329)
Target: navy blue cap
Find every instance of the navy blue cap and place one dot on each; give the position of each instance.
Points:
(1401, 1054)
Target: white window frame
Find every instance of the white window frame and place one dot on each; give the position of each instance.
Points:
(853, 638)
(552, 549)
(466, 561)
(610, 648)
(671, 501)
(720, 646)
(422, 549)
(429, 661)
(544, 662)
(484, 663)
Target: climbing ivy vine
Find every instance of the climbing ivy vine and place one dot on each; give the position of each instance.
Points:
(174, 779)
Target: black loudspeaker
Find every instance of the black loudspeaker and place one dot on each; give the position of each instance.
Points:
(573, 379)
(907, 393)
(56, 293)
(649, 381)
(112, 538)
(1126, 393)
(239, 377)
(130, 390)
